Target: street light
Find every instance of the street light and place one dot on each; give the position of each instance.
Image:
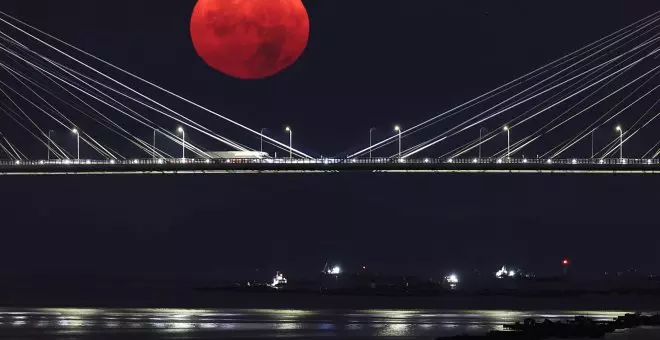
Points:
(618, 128)
(154, 145)
(371, 130)
(288, 129)
(261, 139)
(508, 142)
(183, 142)
(481, 130)
(75, 132)
(49, 132)
(397, 128)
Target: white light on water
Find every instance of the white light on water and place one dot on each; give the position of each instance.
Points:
(453, 278)
(336, 270)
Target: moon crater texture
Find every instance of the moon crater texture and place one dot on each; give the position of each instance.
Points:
(249, 39)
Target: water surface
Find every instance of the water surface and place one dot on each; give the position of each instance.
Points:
(69, 323)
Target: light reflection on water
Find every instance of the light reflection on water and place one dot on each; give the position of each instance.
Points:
(256, 323)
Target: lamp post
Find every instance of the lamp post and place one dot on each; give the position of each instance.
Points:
(49, 132)
(397, 128)
(288, 129)
(508, 142)
(592, 142)
(481, 130)
(261, 139)
(371, 130)
(153, 146)
(183, 142)
(618, 128)
(77, 133)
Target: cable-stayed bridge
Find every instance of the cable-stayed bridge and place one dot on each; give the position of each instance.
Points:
(593, 110)
(284, 166)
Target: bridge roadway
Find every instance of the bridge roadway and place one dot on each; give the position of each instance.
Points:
(429, 165)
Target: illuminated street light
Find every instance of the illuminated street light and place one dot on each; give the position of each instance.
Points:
(75, 132)
(508, 142)
(481, 130)
(618, 128)
(397, 128)
(183, 142)
(261, 139)
(371, 130)
(288, 129)
(153, 146)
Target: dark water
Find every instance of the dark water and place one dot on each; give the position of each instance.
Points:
(260, 323)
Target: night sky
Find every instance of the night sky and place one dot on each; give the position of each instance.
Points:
(368, 63)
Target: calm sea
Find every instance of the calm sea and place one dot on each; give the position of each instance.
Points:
(49, 323)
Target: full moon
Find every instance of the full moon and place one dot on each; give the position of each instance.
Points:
(249, 39)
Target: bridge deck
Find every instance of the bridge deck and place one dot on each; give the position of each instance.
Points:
(181, 166)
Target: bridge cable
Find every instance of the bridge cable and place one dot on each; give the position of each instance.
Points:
(493, 93)
(458, 151)
(277, 143)
(595, 125)
(101, 149)
(87, 93)
(513, 123)
(450, 133)
(525, 141)
(61, 79)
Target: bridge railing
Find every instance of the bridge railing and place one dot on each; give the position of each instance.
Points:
(320, 161)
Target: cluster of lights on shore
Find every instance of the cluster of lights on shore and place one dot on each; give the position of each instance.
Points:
(452, 279)
(336, 270)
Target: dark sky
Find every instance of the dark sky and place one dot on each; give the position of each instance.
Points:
(368, 63)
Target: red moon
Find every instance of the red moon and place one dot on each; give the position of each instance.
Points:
(249, 39)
